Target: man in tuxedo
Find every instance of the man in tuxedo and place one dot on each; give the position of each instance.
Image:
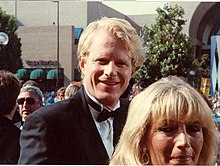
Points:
(9, 133)
(85, 128)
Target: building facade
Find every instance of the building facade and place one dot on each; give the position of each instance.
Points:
(49, 30)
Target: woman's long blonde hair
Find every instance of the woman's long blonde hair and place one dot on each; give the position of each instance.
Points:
(168, 97)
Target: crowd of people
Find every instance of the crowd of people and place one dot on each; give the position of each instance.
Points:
(167, 123)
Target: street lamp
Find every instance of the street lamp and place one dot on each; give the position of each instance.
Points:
(58, 44)
(3, 39)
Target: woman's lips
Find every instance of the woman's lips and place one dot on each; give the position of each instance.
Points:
(181, 159)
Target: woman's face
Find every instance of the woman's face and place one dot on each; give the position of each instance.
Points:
(176, 143)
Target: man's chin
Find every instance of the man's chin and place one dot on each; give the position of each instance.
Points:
(107, 99)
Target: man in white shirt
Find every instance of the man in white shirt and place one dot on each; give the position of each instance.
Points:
(85, 128)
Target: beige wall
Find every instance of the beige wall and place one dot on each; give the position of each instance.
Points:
(44, 13)
(40, 44)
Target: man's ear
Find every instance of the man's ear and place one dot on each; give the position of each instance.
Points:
(82, 64)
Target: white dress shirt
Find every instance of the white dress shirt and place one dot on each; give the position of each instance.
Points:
(105, 128)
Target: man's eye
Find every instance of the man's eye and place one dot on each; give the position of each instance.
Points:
(121, 63)
(102, 61)
(193, 128)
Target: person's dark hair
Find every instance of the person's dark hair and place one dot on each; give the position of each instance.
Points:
(31, 83)
(9, 91)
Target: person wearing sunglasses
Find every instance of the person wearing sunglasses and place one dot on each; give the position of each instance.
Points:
(28, 101)
(9, 133)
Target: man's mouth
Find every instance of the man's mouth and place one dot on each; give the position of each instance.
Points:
(111, 83)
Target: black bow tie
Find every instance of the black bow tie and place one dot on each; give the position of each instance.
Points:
(104, 114)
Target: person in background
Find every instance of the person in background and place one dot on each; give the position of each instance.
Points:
(51, 99)
(126, 95)
(31, 83)
(17, 116)
(169, 123)
(85, 128)
(9, 133)
(135, 90)
(29, 100)
(61, 94)
(71, 90)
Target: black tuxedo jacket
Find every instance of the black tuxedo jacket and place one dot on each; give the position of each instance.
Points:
(9, 141)
(65, 133)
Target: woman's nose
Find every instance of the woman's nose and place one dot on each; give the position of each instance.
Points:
(182, 139)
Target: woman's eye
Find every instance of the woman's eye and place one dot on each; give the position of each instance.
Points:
(167, 129)
(192, 128)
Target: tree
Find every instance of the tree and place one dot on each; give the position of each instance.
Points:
(10, 55)
(169, 50)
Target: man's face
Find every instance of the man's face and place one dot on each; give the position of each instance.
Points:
(107, 69)
(29, 103)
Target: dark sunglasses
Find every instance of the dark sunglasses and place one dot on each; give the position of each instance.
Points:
(28, 100)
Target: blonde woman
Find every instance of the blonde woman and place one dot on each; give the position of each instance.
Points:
(169, 123)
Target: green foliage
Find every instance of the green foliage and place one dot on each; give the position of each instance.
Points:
(10, 54)
(169, 50)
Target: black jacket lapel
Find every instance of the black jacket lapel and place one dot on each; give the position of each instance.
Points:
(120, 119)
(95, 150)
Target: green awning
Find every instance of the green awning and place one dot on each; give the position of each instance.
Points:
(38, 74)
(52, 74)
(22, 74)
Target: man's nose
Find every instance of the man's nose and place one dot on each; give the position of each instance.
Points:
(24, 104)
(110, 69)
